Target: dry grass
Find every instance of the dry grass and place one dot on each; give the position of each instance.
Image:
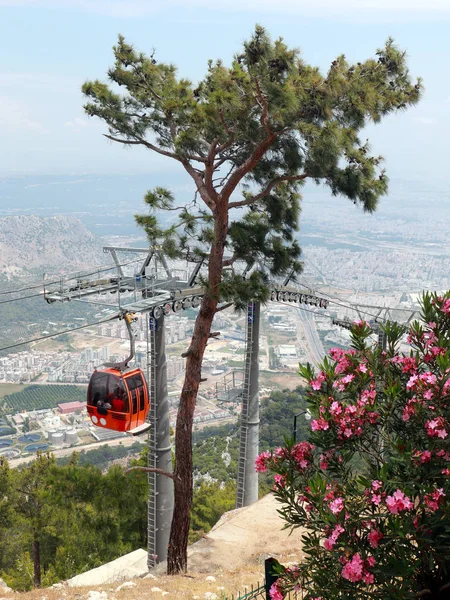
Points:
(182, 586)
(191, 586)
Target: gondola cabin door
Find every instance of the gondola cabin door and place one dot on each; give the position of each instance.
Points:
(118, 400)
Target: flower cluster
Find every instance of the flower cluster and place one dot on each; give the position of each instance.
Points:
(332, 538)
(357, 569)
(373, 480)
(398, 502)
(275, 591)
(262, 461)
(434, 499)
(300, 454)
(437, 428)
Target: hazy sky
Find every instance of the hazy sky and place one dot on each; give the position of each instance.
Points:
(49, 47)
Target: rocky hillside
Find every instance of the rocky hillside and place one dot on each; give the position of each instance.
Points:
(61, 243)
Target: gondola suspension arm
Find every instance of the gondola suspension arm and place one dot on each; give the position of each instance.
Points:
(129, 318)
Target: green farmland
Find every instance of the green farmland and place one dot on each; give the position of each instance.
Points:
(35, 397)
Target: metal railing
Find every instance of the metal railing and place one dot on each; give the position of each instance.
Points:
(262, 591)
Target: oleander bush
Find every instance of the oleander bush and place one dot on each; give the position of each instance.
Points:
(371, 486)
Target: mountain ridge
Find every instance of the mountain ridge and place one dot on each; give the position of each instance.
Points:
(60, 243)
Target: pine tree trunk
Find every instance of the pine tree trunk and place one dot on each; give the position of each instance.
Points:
(36, 563)
(183, 481)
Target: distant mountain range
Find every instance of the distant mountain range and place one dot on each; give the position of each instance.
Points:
(31, 244)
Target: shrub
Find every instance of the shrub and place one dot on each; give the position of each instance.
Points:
(371, 485)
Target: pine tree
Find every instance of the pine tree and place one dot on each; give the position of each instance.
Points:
(249, 136)
(32, 512)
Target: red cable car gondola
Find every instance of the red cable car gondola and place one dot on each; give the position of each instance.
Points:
(117, 396)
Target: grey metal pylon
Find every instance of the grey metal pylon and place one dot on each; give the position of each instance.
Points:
(160, 503)
(247, 477)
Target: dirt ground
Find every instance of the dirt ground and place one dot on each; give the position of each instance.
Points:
(228, 561)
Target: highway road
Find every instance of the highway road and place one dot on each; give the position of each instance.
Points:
(316, 349)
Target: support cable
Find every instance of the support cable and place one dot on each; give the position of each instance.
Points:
(353, 306)
(79, 276)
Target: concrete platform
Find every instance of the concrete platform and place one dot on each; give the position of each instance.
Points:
(131, 565)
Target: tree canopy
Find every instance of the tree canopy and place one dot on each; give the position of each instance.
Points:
(256, 129)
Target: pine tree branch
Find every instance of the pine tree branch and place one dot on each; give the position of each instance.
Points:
(185, 221)
(267, 190)
(141, 142)
(227, 128)
(224, 307)
(226, 145)
(247, 165)
(151, 470)
(229, 261)
(257, 153)
(199, 182)
(264, 120)
(197, 176)
(220, 162)
(209, 169)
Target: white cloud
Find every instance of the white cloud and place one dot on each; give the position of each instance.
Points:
(354, 9)
(425, 120)
(76, 125)
(15, 116)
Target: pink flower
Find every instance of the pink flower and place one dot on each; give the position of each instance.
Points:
(301, 453)
(412, 382)
(376, 499)
(424, 456)
(353, 570)
(261, 461)
(275, 592)
(443, 454)
(445, 308)
(337, 505)
(363, 368)
(335, 408)
(428, 395)
(436, 428)
(331, 540)
(280, 481)
(356, 569)
(371, 561)
(428, 377)
(323, 462)
(319, 424)
(432, 500)
(316, 383)
(374, 537)
(376, 485)
(361, 323)
(398, 502)
(409, 410)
